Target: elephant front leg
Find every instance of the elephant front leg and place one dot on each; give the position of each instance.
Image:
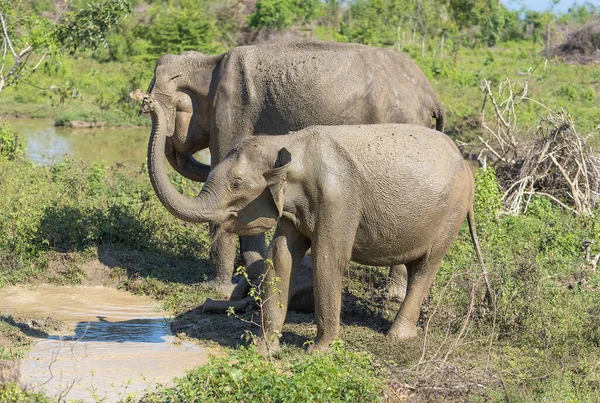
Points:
(223, 247)
(286, 251)
(331, 253)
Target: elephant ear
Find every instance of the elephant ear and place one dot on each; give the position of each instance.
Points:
(276, 178)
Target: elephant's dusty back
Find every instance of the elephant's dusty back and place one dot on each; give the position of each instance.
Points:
(414, 93)
(294, 85)
(387, 152)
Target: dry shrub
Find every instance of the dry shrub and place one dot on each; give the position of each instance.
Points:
(558, 164)
(456, 363)
(581, 46)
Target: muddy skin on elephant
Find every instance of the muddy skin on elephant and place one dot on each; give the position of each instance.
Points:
(215, 101)
(370, 193)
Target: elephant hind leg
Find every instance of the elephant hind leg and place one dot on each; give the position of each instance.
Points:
(222, 255)
(421, 274)
(397, 282)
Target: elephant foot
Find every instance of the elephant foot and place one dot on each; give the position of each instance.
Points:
(240, 290)
(316, 348)
(322, 344)
(224, 287)
(267, 346)
(402, 329)
(242, 305)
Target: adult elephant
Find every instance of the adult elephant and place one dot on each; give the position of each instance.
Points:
(216, 101)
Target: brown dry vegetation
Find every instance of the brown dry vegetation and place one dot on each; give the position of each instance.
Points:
(580, 46)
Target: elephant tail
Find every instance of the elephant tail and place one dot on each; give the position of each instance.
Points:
(440, 117)
(490, 296)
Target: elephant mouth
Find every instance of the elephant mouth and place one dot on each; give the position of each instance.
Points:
(240, 225)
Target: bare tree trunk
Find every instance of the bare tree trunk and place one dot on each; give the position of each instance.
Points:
(422, 45)
(442, 46)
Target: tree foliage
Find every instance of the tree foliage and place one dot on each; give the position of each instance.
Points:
(177, 30)
(282, 14)
(87, 28)
(28, 37)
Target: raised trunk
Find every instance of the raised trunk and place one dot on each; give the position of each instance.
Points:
(196, 209)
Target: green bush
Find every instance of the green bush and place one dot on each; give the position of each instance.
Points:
(10, 144)
(588, 94)
(11, 392)
(339, 376)
(72, 206)
(488, 199)
(547, 320)
(178, 30)
(568, 92)
(281, 14)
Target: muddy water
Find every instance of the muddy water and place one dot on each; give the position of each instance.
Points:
(114, 343)
(47, 144)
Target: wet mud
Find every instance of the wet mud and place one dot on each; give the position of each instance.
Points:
(113, 345)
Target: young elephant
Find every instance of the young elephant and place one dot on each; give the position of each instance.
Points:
(375, 194)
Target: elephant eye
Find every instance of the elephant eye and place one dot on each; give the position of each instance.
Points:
(237, 183)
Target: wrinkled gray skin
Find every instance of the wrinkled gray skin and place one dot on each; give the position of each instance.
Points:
(374, 194)
(216, 101)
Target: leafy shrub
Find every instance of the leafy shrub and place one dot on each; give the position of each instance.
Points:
(11, 392)
(547, 317)
(281, 14)
(588, 94)
(488, 199)
(176, 31)
(568, 92)
(10, 143)
(339, 376)
(72, 206)
(574, 93)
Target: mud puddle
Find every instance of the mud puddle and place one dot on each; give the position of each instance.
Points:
(113, 345)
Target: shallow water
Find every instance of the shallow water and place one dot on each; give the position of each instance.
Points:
(47, 144)
(114, 344)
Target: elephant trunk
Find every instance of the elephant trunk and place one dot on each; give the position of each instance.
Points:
(190, 168)
(195, 209)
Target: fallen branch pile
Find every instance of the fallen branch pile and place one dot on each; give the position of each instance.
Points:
(558, 165)
(581, 46)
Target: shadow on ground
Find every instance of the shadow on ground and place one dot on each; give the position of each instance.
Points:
(364, 326)
(126, 241)
(29, 327)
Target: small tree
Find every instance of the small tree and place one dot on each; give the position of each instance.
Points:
(27, 38)
(282, 14)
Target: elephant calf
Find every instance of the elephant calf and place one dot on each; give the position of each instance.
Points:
(375, 194)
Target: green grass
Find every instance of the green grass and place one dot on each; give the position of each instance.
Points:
(81, 89)
(542, 344)
(11, 392)
(551, 82)
(340, 376)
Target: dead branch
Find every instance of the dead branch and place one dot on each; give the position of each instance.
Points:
(557, 165)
